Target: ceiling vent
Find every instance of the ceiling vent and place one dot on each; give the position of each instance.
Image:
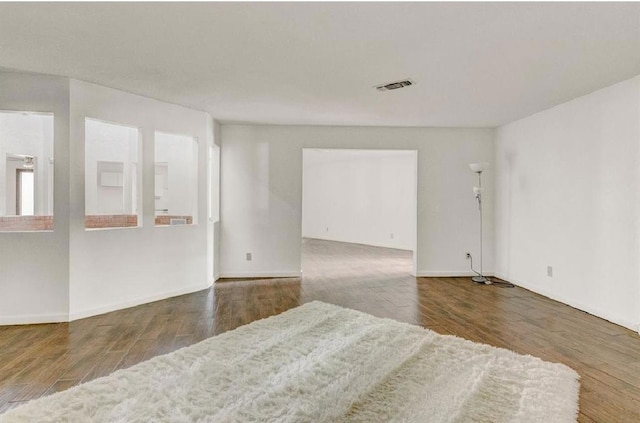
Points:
(395, 85)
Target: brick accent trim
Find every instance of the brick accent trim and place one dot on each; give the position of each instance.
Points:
(166, 219)
(26, 223)
(110, 221)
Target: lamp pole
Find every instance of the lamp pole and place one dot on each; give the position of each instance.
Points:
(480, 278)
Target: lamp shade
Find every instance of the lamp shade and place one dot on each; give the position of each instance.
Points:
(479, 167)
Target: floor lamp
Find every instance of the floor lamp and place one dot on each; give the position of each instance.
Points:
(479, 168)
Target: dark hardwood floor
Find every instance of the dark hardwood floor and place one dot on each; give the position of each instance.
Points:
(37, 360)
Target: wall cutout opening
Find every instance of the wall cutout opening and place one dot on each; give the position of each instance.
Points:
(176, 179)
(26, 171)
(359, 204)
(112, 183)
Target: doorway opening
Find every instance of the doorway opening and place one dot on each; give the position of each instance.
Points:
(25, 192)
(359, 213)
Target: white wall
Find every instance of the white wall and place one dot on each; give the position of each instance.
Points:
(568, 190)
(213, 221)
(70, 272)
(261, 196)
(121, 267)
(34, 267)
(214, 201)
(360, 196)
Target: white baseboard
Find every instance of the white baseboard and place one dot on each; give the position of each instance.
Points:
(448, 273)
(134, 302)
(33, 319)
(603, 314)
(57, 318)
(216, 277)
(269, 274)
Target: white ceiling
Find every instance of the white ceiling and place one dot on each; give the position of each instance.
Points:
(475, 64)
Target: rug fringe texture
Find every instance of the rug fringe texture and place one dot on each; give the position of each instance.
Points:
(322, 363)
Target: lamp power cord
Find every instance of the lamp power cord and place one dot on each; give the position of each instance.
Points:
(493, 282)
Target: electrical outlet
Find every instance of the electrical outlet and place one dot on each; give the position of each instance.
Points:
(249, 256)
(468, 256)
(391, 236)
(550, 271)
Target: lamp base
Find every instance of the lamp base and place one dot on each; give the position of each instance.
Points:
(481, 279)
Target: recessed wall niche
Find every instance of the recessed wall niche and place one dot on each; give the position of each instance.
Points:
(176, 179)
(26, 171)
(112, 180)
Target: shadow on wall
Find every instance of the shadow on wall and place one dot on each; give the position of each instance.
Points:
(508, 171)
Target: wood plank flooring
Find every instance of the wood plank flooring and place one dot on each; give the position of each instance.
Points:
(38, 360)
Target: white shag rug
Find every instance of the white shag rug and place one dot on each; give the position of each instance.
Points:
(322, 363)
